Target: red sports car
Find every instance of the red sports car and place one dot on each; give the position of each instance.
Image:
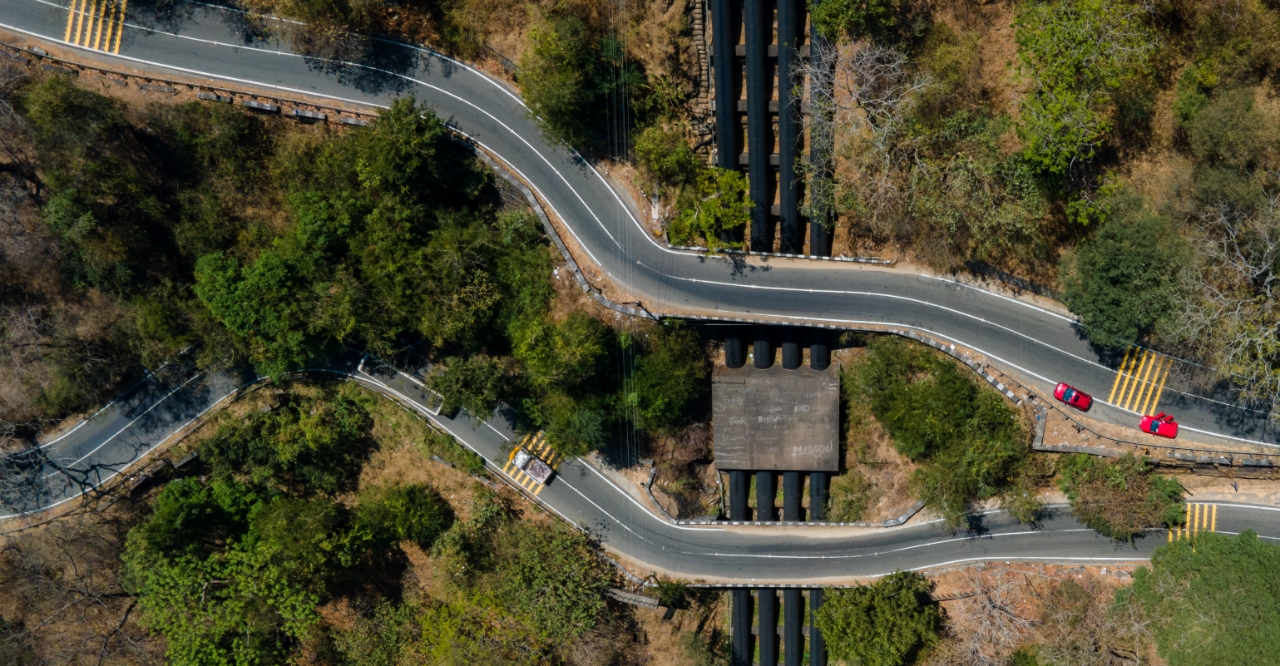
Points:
(1161, 425)
(1078, 399)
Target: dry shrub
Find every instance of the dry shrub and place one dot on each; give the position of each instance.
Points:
(61, 599)
(1082, 626)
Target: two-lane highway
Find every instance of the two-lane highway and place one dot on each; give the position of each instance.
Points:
(197, 40)
(1042, 346)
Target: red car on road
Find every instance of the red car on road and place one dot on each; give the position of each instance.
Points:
(1161, 425)
(1078, 399)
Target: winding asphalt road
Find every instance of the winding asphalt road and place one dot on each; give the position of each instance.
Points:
(1041, 346)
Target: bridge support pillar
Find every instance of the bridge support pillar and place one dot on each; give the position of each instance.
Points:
(743, 645)
(793, 495)
(817, 496)
(793, 627)
(766, 489)
(739, 484)
(735, 353)
(820, 351)
(768, 617)
(762, 351)
(791, 354)
(817, 646)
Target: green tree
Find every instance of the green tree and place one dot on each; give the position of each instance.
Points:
(403, 513)
(189, 517)
(883, 20)
(670, 378)
(568, 73)
(1079, 55)
(1211, 601)
(475, 383)
(891, 622)
(253, 599)
(304, 446)
(665, 158)
(387, 240)
(715, 204)
(969, 442)
(555, 578)
(1123, 281)
(1120, 498)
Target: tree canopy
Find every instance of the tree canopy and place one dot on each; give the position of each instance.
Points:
(891, 622)
(1212, 600)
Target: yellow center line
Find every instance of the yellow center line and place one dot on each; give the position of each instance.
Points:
(71, 19)
(1145, 387)
(1148, 388)
(1154, 400)
(102, 20)
(1131, 383)
(1213, 523)
(1120, 372)
(124, 4)
(80, 14)
(88, 24)
(111, 26)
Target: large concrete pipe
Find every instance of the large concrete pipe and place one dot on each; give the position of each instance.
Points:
(726, 24)
(744, 647)
(789, 126)
(793, 495)
(817, 496)
(820, 351)
(735, 352)
(739, 487)
(817, 646)
(762, 351)
(756, 21)
(792, 357)
(768, 617)
(793, 627)
(766, 489)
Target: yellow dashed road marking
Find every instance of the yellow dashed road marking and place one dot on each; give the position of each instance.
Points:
(1140, 380)
(94, 24)
(1124, 368)
(1197, 518)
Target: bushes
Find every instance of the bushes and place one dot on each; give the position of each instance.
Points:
(306, 446)
(474, 383)
(566, 76)
(554, 578)
(1122, 282)
(1121, 498)
(968, 442)
(403, 513)
(1080, 55)
(891, 622)
(1211, 601)
(665, 158)
(713, 206)
(670, 379)
(849, 496)
(884, 20)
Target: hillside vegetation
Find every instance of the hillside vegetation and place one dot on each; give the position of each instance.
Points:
(140, 236)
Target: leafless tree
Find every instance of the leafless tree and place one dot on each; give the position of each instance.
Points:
(1081, 626)
(991, 627)
(1230, 316)
(860, 96)
(62, 579)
